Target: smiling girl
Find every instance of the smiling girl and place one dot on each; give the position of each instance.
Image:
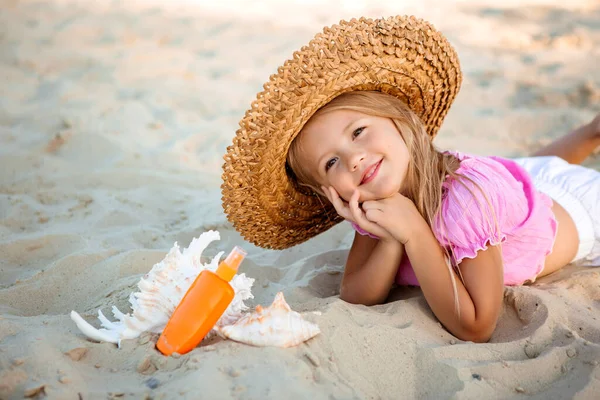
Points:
(344, 131)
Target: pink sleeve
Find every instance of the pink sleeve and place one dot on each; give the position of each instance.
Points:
(362, 231)
(471, 219)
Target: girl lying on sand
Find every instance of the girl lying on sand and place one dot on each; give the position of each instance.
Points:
(344, 131)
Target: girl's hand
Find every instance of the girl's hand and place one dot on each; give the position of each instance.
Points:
(338, 203)
(353, 213)
(397, 215)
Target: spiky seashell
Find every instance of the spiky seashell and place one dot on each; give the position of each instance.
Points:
(161, 290)
(276, 325)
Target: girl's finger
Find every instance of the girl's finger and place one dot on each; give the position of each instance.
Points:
(354, 207)
(373, 205)
(361, 219)
(338, 204)
(374, 215)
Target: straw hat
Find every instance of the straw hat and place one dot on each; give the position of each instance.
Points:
(403, 56)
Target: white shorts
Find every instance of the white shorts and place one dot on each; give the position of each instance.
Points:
(577, 190)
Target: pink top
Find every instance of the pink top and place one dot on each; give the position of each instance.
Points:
(526, 224)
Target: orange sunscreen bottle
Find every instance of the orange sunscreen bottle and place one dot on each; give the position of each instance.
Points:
(201, 307)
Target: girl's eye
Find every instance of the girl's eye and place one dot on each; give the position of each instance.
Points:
(330, 163)
(358, 131)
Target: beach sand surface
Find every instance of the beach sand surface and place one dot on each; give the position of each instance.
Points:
(114, 117)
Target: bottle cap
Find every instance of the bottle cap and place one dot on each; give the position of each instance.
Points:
(229, 267)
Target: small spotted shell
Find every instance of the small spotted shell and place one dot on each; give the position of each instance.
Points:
(276, 325)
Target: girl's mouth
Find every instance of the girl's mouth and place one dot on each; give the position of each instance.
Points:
(370, 173)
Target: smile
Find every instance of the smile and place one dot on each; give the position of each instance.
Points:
(370, 173)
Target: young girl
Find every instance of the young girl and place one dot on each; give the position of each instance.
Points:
(343, 131)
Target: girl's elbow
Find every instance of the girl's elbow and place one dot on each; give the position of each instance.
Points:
(354, 297)
(476, 337)
(478, 332)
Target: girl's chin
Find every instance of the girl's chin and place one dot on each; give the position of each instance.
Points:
(374, 195)
(384, 194)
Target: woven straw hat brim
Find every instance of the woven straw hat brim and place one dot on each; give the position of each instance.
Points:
(403, 56)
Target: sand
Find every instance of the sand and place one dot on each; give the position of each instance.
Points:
(113, 120)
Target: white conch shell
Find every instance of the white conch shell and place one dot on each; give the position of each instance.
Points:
(161, 290)
(276, 325)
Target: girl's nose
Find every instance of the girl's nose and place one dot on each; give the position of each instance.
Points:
(355, 159)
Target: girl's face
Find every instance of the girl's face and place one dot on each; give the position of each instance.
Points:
(349, 150)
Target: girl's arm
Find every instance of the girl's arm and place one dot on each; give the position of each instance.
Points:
(479, 298)
(372, 264)
(370, 270)
(479, 295)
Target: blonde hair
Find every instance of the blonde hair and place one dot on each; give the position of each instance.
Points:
(428, 167)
